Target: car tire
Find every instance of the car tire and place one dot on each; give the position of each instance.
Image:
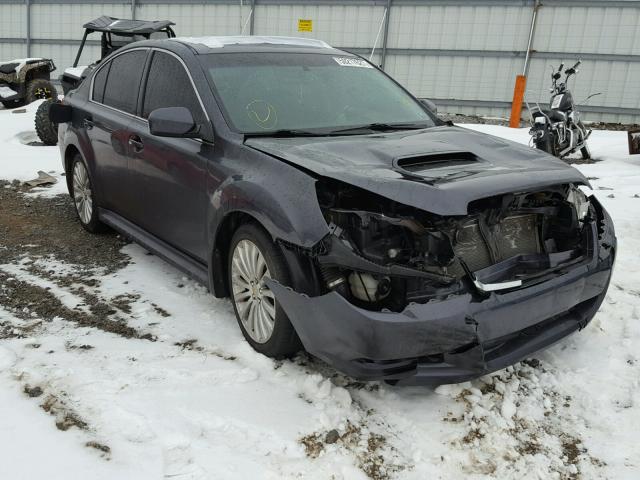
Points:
(47, 130)
(40, 89)
(262, 320)
(83, 196)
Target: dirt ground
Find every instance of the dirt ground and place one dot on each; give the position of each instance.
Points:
(48, 226)
(39, 228)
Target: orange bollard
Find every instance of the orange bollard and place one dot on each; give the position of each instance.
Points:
(518, 97)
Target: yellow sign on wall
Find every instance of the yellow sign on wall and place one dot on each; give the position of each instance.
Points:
(305, 25)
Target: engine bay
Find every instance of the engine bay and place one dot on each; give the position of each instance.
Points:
(383, 255)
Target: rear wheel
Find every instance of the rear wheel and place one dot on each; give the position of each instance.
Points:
(584, 151)
(40, 89)
(9, 104)
(47, 130)
(253, 258)
(84, 197)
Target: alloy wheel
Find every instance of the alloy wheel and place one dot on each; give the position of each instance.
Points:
(254, 301)
(82, 192)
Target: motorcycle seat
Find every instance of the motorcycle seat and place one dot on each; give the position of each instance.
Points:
(555, 115)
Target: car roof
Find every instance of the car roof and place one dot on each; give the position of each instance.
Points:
(239, 44)
(223, 41)
(131, 27)
(254, 43)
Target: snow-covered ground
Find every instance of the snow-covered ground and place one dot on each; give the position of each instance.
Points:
(185, 397)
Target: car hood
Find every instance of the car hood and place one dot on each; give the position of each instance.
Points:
(379, 163)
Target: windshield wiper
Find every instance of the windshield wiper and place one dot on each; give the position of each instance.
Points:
(381, 127)
(376, 127)
(286, 132)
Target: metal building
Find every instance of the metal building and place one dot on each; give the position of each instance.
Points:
(462, 54)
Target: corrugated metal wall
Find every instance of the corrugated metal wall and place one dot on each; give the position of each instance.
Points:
(462, 54)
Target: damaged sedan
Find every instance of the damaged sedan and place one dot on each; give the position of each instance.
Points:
(338, 213)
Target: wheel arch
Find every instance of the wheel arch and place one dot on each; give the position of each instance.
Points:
(69, 154)
(294, 222)
(218, 267)
(39, 72)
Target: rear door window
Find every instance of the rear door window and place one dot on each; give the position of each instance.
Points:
(99, 82)
(169, 85)
(123, 81)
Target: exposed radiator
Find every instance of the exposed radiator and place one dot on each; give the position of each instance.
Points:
(514, 235)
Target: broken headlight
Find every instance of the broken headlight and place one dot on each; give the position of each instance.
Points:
(379, 252)
(579, 201)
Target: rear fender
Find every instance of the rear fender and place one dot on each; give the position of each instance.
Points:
(75, 137)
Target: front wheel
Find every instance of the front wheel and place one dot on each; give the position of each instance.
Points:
(545, 142)
(84, 197)
(253, 258)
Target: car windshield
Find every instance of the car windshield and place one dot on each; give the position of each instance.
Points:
(304, 93)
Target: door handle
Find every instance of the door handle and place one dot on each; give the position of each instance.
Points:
(88, 124)
(136, 143)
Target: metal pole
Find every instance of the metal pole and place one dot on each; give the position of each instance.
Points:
(375, 43)
(133, 9)
(385, 36)
(253, 14)
(28, 7)
(532, 31)
(521, 80)
(84, 39)
(244, 25)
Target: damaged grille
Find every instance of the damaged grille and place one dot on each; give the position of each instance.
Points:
(481, 245)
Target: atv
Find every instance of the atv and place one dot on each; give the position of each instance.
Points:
(25, 81)
(115, 33)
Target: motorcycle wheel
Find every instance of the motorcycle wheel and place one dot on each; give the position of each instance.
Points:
(586, 154)
(545, 143)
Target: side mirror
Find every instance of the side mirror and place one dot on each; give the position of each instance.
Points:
(174, 122)
(59, 113)
(429, 105)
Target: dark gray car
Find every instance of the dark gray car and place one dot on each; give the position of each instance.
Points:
(334, 208)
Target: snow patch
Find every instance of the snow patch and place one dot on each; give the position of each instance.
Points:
(222, 41)
(199, 403)
(6, 92)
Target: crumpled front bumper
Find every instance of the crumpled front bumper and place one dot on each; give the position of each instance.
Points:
(459, 338)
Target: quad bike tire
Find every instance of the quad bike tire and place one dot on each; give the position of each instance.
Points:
(40, 89)
(9, 104)
(47, 130)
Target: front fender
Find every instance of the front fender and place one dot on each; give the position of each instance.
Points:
(282, 200)
(285, 205)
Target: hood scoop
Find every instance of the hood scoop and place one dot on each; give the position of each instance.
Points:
(418, 164)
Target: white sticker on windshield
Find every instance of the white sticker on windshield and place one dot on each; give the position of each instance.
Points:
(352, 62)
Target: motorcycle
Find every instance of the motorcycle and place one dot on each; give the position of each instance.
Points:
(559, 130)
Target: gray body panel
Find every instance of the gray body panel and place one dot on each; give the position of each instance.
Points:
(368, 162)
